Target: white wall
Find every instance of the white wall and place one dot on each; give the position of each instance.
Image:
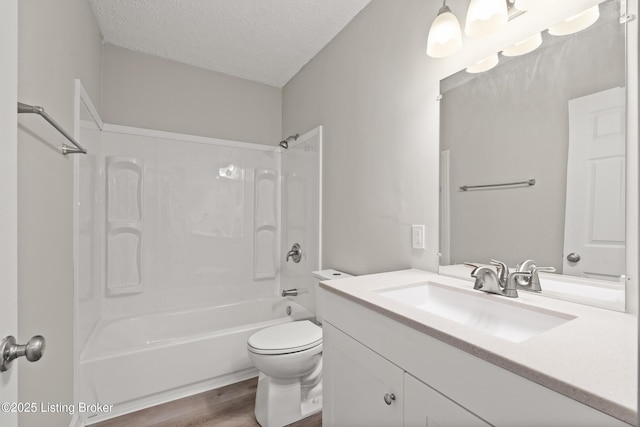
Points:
(149, 92)
(58, 42)
(374, 90)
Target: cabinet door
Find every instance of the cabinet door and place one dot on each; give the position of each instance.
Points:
(425, 407)
(361, 388)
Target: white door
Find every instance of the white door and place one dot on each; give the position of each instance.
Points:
(594, 241)
(8, 198)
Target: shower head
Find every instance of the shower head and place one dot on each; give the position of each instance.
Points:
(285, 144)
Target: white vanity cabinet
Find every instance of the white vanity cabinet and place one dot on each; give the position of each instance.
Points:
(361, 388)
(368, 355)
(425, 407)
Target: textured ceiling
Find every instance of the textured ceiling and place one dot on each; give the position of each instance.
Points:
(267, 41)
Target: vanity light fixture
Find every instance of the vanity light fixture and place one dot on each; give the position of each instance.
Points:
(485, 17)
(485, 65)
(576, 23)
(525, 46)
(445, 35)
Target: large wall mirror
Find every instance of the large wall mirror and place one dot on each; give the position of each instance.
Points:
(552, 120)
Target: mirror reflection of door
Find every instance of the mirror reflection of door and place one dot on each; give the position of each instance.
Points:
(594, 237)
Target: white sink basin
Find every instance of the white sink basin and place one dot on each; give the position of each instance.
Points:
(490, 315)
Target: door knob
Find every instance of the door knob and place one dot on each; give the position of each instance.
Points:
(9, 350)
(573, 257)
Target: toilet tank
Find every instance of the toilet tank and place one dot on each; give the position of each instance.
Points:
(322, 276)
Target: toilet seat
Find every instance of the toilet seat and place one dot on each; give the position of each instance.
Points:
(286, 338)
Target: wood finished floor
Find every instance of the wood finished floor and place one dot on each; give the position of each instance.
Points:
(230, 406)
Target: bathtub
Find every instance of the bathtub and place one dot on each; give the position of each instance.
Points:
(137, 362)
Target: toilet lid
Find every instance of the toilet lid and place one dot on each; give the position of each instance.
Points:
(286, 338)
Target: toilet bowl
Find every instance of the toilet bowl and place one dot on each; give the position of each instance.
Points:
(289, 358)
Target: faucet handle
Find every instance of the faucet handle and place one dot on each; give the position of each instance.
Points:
(474, 266)
(526, 265)
(535, 279)
(503, 270)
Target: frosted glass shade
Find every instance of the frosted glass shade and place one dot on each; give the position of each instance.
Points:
(485, 17)
(576, 23)
(525, 46)
(445, 35)
(485, 65)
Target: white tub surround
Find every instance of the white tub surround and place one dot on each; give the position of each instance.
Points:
(590, 358)
(179, 258)
(140, 361)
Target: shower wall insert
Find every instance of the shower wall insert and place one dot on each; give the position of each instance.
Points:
(179, 251)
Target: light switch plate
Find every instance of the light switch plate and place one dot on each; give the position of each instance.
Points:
(417, 236)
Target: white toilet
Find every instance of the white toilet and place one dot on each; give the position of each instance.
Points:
(289, 358)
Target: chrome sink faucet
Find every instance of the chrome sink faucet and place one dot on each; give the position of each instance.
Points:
(499, 282)
(531, 283)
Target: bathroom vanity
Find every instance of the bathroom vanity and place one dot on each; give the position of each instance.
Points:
(400, 349)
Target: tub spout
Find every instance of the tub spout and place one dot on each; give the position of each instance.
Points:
(289, 292)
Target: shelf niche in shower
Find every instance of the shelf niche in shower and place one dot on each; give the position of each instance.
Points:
(125, 177)
(265, 222)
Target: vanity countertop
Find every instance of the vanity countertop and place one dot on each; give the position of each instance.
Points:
(592, 358)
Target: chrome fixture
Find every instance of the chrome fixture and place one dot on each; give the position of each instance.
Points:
(285, 144)
(289, 293)
(24, 108)
(573, 257)
(528, 183)
(32, 350)
(389, 398)
(499, 282)
(295, 253)
(532, 282)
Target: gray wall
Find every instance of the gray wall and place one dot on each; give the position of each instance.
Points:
(58, 42)
(374, 90)
(511, 124)
(149, 92)
(369, 89)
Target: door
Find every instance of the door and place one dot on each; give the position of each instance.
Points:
(8, 198)
(361, 387)
(594, 241)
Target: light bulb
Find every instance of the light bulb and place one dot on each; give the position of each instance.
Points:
(445, 36)
(485, 17)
